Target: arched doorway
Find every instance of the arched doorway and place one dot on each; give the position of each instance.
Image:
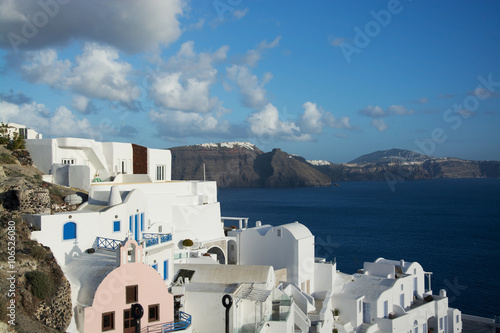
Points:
(221, 257)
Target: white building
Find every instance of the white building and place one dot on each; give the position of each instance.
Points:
(79, 162)
(270, 273)
(12, 129)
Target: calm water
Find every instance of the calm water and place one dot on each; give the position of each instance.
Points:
(450, 226)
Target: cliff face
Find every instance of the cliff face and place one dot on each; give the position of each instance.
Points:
(42, 293)
(408, 165)
(244, 165)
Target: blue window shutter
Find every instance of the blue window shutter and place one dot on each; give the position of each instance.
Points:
(142, 222)
(130, 224)
(116, 226)
(165, 270)
(69, 230)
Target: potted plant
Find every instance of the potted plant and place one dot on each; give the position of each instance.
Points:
(335, 330)
(187, 243)
(336, 314)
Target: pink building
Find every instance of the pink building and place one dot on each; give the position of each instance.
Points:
(130, 283)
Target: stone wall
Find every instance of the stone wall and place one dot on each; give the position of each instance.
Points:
(33, 201)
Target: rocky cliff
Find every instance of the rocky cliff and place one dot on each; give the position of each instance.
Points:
(40, 290)
(240, 164)
(397, 164)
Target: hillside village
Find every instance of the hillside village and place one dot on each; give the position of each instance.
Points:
(142, 243)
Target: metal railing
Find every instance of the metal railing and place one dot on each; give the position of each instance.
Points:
(153, 239)
(183, 323)
(107, 243)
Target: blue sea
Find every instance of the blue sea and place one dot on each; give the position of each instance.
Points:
(450, 226)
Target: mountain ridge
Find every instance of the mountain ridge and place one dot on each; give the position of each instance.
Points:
(242, 164)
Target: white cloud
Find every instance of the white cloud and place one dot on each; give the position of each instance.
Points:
(129, 25)
(311, 120)
(379, 124)
(252, 92)
(98, 73)
(378, 112)
(337, 41)
(314, 119)
(184, 84)
(187, 124)
(44, 67)
(372, 111)
(253, 56)
(266, 123)
(62, 122)
(398, 110)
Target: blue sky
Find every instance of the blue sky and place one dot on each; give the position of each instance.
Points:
(328, 80)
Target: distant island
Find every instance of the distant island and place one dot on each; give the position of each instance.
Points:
(242, 164)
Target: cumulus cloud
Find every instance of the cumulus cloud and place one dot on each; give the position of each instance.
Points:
(379, 124)
(83, 105)
(184, 83)
(187, 124)
(98, 73)
(314, 119)
(61, 122)
(266, 123)
(44, 67)
(252, 92)
(129, 25)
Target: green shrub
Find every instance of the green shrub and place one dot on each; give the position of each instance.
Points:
(42, 286)
(7, 159)
(39, 253)
(187, 243)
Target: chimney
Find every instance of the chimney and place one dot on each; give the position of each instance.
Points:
(114, 196)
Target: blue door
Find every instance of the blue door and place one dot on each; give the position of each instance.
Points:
(366, 312)
(136, 228)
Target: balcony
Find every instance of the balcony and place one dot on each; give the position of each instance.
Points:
(183, 323)
(151, 239)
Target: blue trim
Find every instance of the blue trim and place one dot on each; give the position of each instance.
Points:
(155, 266)
(142, 221)
(130, 223)
(69, 231)
(136, 228)
(116, 226)
(165, 269)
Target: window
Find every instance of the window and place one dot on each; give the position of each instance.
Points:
(124, 169)
(116, 226)
(108, 321)
(68, 161)
(128, 320)
(360, 307)
(440, 323)
(160, 172)
(154, 312)
(402, 300)
(131, 294)
(69, 231)
(130, 223)
(278, 232)
(386, 309)
(458, 319)
(402, 287)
